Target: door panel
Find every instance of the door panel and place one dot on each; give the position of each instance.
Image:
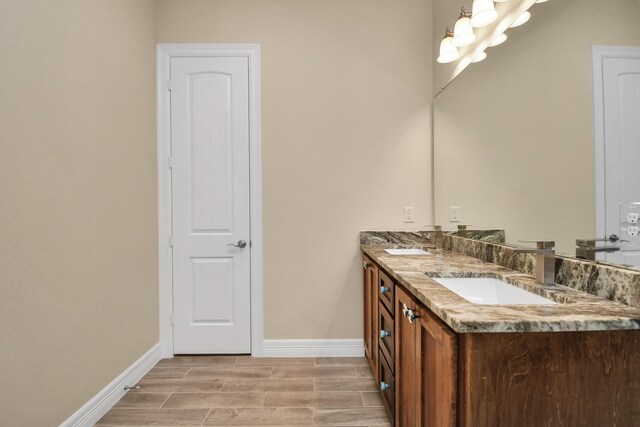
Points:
(211, 150)
(621, 80)
(212, 304)
(210, 190)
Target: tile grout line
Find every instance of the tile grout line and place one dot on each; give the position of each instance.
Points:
(186, 373)
(165, 401)
(206, 416)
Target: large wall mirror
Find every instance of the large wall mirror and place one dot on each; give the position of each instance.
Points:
(515, 145)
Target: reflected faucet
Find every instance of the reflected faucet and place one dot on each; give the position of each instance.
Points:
(587, 248)
(439, 240)
(545, 260)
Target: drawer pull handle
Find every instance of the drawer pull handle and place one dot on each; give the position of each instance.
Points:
(405, 310)
(383, 386)
(365, 265)
(384, 289)
(409, 313)
(384, 333)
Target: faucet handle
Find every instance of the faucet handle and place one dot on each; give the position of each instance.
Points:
(541, 244)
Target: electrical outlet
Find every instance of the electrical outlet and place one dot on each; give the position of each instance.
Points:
(454, 214)
(409, 214)
(632, 217)
(633, 230)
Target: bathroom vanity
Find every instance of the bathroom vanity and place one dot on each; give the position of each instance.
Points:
(442, 360)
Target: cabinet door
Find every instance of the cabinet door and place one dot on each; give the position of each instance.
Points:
(437, 348)
(406, 359)
(370, 292)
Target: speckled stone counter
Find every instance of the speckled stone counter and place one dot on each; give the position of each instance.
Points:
(616, 283)
(574, 311)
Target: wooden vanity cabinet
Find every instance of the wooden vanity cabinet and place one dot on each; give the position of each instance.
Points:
(431, 376)
(414, 359)
(437, 370)
(426, 366)
(407, 360)
(370, 292)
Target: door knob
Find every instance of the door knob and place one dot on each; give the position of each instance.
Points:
(241, 244)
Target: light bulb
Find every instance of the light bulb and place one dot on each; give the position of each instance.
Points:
(448, 52)
(521, 19)
(483, 13)
(499, 40)
(463, 32)
(480, 57)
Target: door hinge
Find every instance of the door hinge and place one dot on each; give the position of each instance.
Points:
(171, 319)
(170, 161)
(171, 240)
(169, 84)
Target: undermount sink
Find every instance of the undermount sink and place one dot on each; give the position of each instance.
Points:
(491, 291)
(406, 251)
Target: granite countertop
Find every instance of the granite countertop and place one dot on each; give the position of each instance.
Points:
(575, 311)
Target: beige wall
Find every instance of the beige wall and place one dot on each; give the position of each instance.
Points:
(78, 253)
(513, 134)
(346, 95)
(346, 98)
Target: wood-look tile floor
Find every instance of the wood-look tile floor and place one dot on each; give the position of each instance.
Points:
(246, 391)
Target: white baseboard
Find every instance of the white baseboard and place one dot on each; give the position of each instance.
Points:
(313, 348)
(100, 404)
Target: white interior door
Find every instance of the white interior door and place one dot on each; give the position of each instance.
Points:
(621, 104)
(210, 202)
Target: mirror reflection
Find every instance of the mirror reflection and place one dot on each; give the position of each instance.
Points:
(542, 138)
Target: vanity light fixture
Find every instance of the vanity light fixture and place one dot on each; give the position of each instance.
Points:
(448, 52)
(480, 57)
(483, 13)
(500, 1)
(463, 31)
(541, 1)
(521, 19)
(499, 40)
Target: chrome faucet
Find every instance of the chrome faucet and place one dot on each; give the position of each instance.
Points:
(587, 248)
(545, 260)
(439, 238)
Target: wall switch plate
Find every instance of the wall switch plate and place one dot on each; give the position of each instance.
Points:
(454, 214)
(409, 214)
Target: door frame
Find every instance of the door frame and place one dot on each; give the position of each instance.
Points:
(166, 51)
(599, 53)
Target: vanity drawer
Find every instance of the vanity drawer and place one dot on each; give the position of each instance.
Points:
(387, 289)
(386, 335)
(387, 386)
